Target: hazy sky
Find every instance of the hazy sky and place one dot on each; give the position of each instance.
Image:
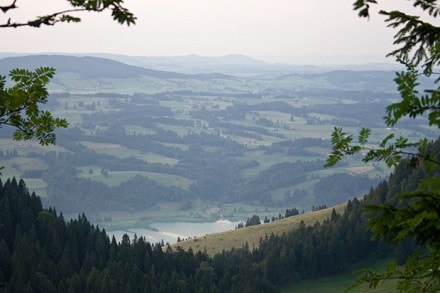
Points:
(293, 31)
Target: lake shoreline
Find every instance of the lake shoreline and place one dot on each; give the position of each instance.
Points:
(171, 232)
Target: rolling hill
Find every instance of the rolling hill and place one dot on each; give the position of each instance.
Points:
(217, 242)
(214, 68)
(239, 140)
(92, 67)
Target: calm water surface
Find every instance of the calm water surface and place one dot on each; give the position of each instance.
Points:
(170, 231)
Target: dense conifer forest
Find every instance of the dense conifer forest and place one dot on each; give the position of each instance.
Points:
(40, 251)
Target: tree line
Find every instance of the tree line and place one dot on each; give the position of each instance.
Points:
(211, 175)
(40, 249)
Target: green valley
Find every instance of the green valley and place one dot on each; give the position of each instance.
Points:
(141, 139)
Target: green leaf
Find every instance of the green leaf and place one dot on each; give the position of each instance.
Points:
(20, 106)
(363, 135)
(70, 18)
(385, 140)
(430, 184)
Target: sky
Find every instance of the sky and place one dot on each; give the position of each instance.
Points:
(277, 31)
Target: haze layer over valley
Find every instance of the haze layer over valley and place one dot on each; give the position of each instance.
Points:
(145, 145)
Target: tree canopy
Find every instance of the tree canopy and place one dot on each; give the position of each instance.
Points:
(416, 214)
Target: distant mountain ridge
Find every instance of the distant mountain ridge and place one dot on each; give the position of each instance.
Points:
(232, 64)
(92, 67)
(235, 64)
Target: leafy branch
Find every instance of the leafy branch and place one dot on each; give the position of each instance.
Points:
(420, 274)
(5, 8)
(391, 153)
(418, 39)
(417, 213)
(20, 105)
(363, 7)
(419, 218)
(119, 13)
(411, 104)
(391, 149)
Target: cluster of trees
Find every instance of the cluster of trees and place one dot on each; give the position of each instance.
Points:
(213, 174)
(297, 147)
(413, 214)
(278, 175)
(220, 179)
(410, 214)
(335, 188)
(291, 212)
(40, 249)
(367, 114)
(255, 219)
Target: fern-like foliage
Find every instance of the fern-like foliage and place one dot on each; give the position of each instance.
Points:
(417, 39)
(20, 105)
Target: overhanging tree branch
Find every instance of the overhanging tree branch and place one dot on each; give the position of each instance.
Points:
(119, 13)
(5, 8)
(416, 214)
(19, 104)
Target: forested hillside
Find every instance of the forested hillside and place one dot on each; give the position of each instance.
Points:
(40, 250)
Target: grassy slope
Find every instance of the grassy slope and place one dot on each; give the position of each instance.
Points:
(215, 243)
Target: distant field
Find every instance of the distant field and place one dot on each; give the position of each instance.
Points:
(37, 185)
(265, 161)
(115, 178)
(135, 129)
(261, 115)
(124, 152)
(24, 147)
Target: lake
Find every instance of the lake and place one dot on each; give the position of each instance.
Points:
(170, 231)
